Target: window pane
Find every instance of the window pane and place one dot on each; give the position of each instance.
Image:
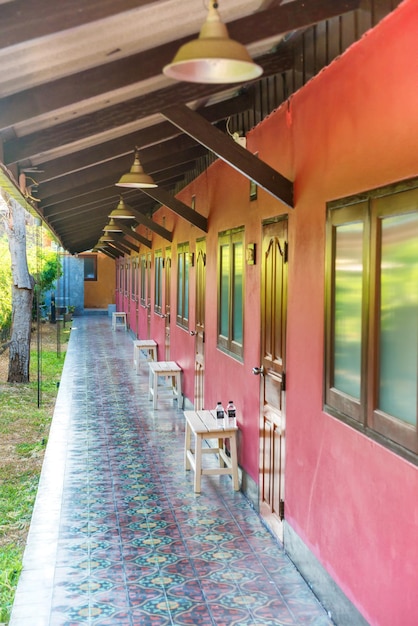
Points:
(186, 287)
(237, 294)
(348, 305)
(224, 291)
(180, 275)
(399, 317)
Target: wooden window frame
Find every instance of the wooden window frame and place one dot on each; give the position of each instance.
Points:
(370, 208)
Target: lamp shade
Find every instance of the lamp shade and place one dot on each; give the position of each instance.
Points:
(111, 227)
(213, 57)
(136, 177)
(122, 211)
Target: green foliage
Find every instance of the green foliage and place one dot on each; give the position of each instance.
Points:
(10, 568)
(5, 285)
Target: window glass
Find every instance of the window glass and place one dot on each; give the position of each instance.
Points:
(183, 285)
(224, 290)
(348, 308)
(231, 291)
(237, 335)
(398, 345)
(90, 267)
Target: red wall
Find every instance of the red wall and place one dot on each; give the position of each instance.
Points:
(351, 128)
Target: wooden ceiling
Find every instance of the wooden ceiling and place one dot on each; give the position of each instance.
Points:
(81, 86)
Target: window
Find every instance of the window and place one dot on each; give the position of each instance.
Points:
(183, 285)
(231, 291)
(158, 298)
(372, 316)
(90, 267)
(143, 294)
(134, 277)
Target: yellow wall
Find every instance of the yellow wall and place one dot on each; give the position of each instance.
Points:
(98, 294)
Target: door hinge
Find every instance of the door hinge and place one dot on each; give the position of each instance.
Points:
(286, 252)
(284, 381)
(281, 510)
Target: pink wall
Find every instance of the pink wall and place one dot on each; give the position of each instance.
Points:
(352, 128)
(354, 503)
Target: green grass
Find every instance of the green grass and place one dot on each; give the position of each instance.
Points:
(24, 429)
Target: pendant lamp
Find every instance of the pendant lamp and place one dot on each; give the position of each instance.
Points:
(122, 211)
(136, 177)
(213, 57)
(111, 227)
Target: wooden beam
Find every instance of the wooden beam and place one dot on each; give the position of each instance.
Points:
(232, 153)
(108, 252)
(148, 223)
(160, 195)
(133, 233)
(125, 242)
(118, 245)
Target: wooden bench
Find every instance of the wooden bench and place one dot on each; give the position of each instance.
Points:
(118, 320)
(166, 370)
(144, 345)
(204, 425)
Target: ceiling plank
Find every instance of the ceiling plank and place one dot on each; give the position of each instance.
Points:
(39, 18)
(274, 21)
(229, 151)
(122, 114)
(160, 195)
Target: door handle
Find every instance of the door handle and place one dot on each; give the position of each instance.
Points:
(258, 370)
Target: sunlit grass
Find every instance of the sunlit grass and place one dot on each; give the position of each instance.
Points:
(24, 429)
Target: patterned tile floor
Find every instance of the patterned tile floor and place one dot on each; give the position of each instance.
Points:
(118, 536)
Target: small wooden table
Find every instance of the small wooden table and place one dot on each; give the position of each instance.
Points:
(165, 369)
(145, 345)
(118, 320)
(204, 425)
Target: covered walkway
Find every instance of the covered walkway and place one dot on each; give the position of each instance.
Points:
(118, 536)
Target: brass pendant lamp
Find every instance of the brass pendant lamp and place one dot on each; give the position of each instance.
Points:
(122, 211)
(111, 227)
(213, 57)
(136, 178)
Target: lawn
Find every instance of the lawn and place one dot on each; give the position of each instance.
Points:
(24, 429)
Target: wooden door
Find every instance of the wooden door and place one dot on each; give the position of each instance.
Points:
(167, 304)
(199, 332)
(272, 370)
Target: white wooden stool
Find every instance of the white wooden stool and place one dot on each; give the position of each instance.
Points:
(144, 345)
(204, 425)
(118, 320)
(165, 369)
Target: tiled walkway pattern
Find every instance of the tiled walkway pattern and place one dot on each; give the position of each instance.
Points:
(118, 535)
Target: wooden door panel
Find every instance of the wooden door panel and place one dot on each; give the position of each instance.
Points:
(199, 332)
(273, 344)
(167, 307)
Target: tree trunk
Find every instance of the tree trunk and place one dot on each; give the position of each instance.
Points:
(22, 293)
